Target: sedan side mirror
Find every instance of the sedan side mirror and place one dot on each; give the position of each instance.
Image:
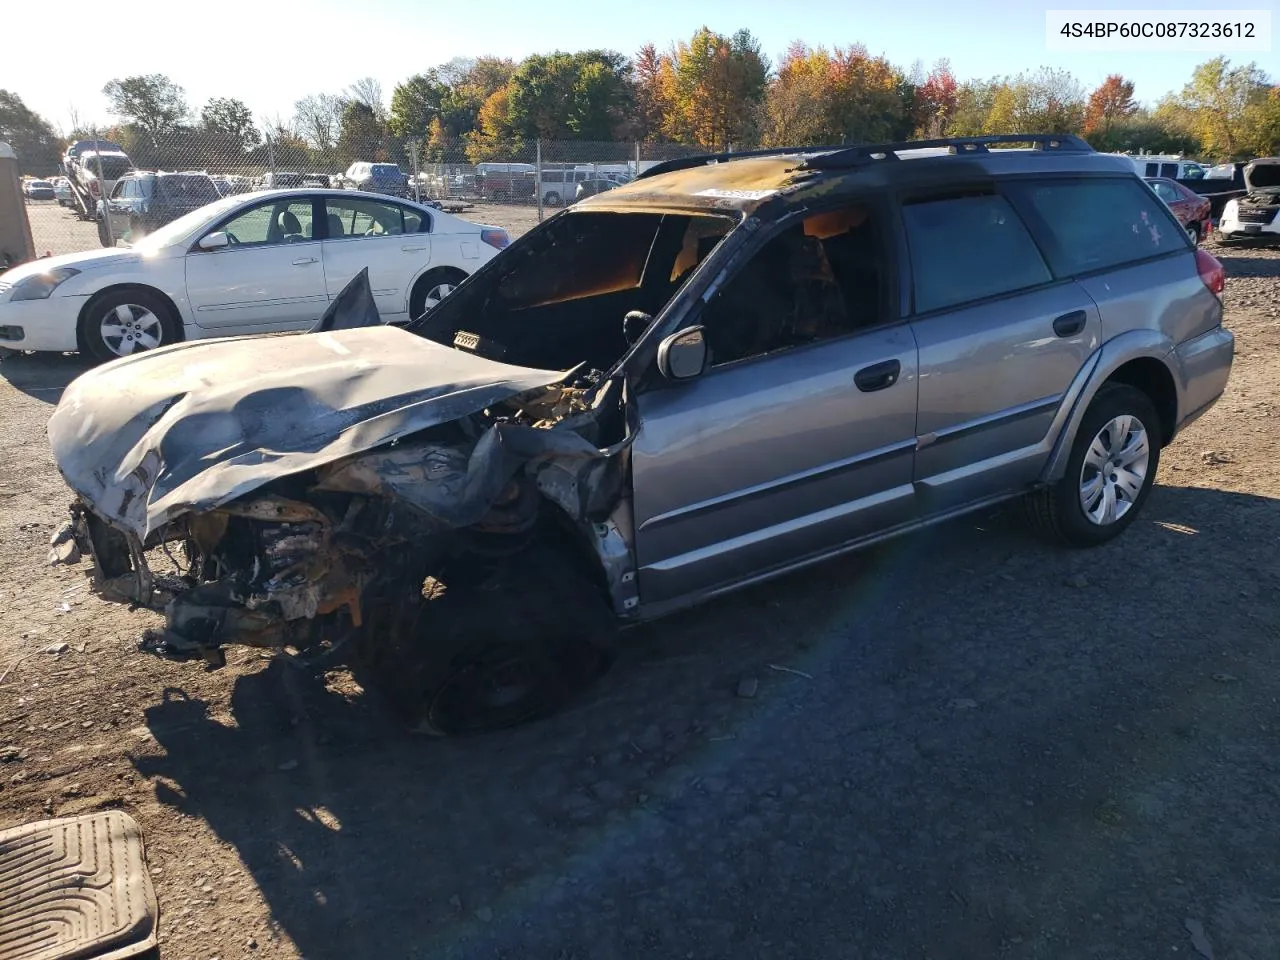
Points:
(683, 355)
(214, 241)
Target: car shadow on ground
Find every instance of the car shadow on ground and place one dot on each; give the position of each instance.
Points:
(43, 376)
(960, 744)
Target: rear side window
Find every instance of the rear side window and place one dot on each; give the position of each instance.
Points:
(969, 248)
(184, 189)
(1093, 224)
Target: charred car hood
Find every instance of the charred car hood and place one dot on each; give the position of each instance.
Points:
(190, 427)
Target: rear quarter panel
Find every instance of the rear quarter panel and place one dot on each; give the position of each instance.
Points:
(1165, 296)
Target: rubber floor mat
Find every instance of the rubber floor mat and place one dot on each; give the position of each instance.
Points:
(76, 889)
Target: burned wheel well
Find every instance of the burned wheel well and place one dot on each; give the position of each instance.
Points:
(557, 530)
(97, 298)
(1154, 379)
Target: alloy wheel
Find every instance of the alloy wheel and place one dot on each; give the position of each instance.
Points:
(438, 293)
(129, 328)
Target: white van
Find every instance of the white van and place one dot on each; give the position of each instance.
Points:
(1170, 167)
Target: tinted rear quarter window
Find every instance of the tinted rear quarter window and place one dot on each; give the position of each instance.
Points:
(183, 189)
(1092, 224)
(969, 248)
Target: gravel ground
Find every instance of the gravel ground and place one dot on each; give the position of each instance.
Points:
(57, 230)
(963, 744)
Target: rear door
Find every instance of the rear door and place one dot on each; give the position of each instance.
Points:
(1000, 339)
(391, 240)
(271, 277)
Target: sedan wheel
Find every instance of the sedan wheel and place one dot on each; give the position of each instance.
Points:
(129, 328)
(438, 293)
(1114, 471)
(1193, 234)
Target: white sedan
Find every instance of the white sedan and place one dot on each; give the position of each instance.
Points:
(254, 263)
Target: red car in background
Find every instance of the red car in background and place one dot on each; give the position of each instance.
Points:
(1191, 209)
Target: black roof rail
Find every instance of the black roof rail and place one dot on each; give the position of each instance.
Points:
(868, 152)
(703, 159)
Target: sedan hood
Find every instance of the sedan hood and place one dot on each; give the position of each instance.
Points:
(87, 260)
(145, 439)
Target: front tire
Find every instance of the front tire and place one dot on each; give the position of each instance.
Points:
(1110, 471)
(124, 322)
(491, 651)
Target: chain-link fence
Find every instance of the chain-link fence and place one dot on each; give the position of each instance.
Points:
(145, 182)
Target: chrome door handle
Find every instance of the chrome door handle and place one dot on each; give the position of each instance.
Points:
(305, 260)
(413, 249)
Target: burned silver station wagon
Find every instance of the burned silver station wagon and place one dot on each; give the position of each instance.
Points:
(730, 368)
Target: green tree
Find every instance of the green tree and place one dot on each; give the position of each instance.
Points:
(360, 135)
(1220, 107)
(153, 103)
(228, 123)
(416, 102)
(30, 135)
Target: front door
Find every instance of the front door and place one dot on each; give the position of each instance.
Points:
(799, 439)
(384, 236)
(270, 277)
(1000, 342)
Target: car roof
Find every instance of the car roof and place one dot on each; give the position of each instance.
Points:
(740, 183)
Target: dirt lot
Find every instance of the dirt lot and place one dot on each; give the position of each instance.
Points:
(964, 744)
(57, 230)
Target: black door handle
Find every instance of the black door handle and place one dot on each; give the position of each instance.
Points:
(1069, 324)
(877, 376)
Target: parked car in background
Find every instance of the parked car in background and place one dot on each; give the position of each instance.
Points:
(384, 178)
(144, 201)
(1167, 167)
(505, 181)
(1256, 214)
(62, 192)
(278, 180)
(39, 190)
(589, 188)
(1191, 209)
(97, 171)
(255, 263)
(322, 180)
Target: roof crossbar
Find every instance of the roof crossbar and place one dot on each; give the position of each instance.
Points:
(845, 156)
(870, 152)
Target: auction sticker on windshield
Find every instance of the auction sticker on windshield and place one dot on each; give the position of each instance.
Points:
(736, 194)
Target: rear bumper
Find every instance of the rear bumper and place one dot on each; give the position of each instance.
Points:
(1203, 366)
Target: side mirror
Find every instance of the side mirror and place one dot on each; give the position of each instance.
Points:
(214, 241)
(683, 355)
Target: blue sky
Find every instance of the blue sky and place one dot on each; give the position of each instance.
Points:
(266, 54)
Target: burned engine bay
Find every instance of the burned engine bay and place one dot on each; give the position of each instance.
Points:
(298, 560)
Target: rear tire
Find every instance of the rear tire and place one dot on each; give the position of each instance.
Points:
(491, 652)
(103, 237)
(432, 287)
(1195, 233)
(1120, 420)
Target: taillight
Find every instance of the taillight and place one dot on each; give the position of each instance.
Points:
(1211, 271)
(495, 238)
